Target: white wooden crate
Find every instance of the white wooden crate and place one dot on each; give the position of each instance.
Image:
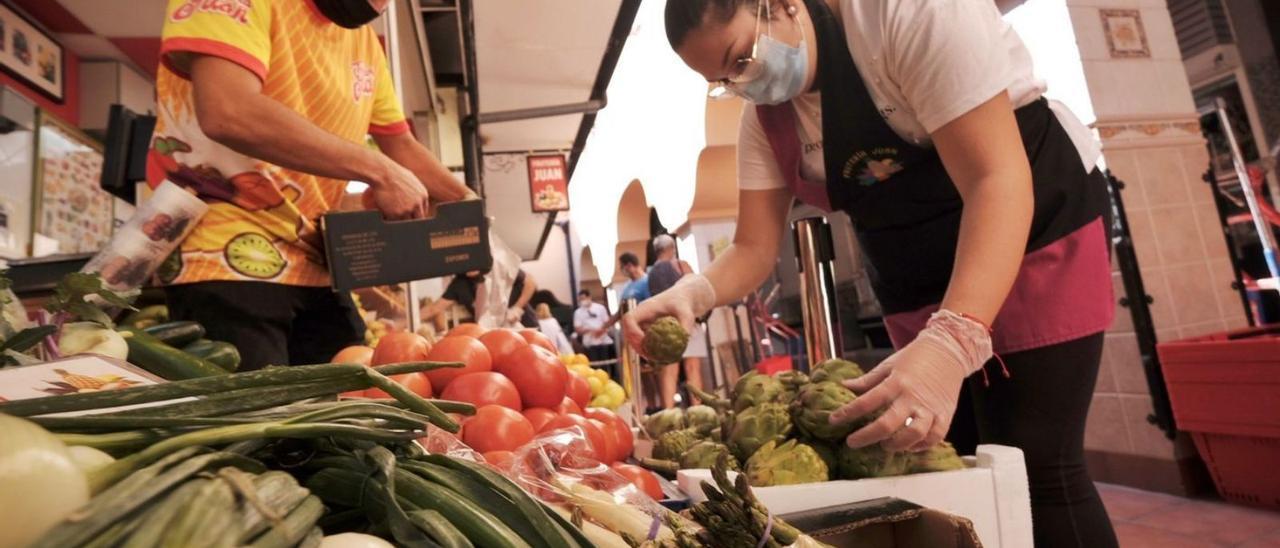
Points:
(992, 493)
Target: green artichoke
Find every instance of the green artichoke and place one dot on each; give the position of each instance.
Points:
(836, 370)
(674, 443)
(939, 458)
(792, 381)
(664, 421)
(705, 454)
(813, 407)
(759, 425)
(871, 462)
(785, 464)
(701, 417)
(754, 389)
(827, 451)
(665, 341)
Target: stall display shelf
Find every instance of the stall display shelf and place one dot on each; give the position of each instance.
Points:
(992, 493)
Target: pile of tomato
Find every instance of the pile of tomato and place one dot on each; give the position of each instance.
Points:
(520, 389)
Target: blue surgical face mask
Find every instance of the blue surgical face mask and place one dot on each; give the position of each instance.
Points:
(785, 68)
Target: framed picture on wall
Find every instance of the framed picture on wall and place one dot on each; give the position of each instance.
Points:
(30, 54)
(73, 209)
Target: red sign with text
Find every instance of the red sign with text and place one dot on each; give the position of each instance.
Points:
(548, 183)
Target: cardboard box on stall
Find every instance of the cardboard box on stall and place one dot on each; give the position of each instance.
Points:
(886, 523)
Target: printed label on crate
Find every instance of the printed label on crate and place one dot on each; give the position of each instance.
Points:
(74, 375)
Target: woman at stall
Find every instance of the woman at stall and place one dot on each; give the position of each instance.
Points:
(977, 205)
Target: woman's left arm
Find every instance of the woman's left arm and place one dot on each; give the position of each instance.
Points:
(984, 155)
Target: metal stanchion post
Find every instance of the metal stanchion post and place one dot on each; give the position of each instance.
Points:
(815, 261)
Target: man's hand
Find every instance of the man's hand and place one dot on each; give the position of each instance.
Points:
(398, 194)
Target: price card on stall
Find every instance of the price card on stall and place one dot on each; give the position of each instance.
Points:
(75, 375)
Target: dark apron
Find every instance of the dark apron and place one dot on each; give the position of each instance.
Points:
(905, 207)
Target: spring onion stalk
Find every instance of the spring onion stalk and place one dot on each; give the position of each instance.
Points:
(271, 376)
(40, 484)
(94, 422)
(88, 458)
(108, 475)
(613, 514)
(459, 407)
(113, 441)
(354, 540)
(249, 399)
(294, 528)
(601, 537)
(414, 402)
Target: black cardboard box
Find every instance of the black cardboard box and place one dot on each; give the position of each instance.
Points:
(885, 523)
(364, 250)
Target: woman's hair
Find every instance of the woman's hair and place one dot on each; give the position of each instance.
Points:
(543, 311)
(685, 16)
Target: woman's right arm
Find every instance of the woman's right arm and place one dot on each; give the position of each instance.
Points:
(762, 215)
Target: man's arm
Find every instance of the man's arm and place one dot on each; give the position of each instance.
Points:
(233, 111)
(408, 152)
(437, 306)
(526, 294)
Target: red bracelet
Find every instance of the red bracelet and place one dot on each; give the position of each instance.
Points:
(975, 319)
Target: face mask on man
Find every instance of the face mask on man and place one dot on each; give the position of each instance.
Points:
(349, 14)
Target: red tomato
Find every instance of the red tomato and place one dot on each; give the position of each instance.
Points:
(568, 407)
(578, 390)
(539, 416)
(399, 347)
(616, 428)
(595, 438)
(539, 376)
(503, 345)
(483, 388)
(644, 480)
(360, 354)
(501, 460)
(415, 382)
(457, 348)
(468, 330)
(535, 337)
(610, 451)
(497, 428)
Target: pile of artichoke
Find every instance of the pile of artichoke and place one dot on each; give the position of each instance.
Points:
(777, 430)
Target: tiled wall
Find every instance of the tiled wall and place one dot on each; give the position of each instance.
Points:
(1152, 142)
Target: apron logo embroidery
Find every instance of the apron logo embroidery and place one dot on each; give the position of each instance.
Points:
(869, 168)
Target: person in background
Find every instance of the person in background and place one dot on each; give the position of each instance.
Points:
(548, 325)
(468, 290)
(665, 272)
(263, 112)
(638, 285)
(589, 322)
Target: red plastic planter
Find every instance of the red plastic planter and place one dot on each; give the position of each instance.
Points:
(1225, 391)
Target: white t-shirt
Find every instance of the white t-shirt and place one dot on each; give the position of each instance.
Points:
(592, 317)
(925, 63)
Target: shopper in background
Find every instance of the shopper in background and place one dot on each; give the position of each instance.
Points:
(468, 290)
(589, 322)
(263, 113)
(667, 269)
(548, 325)
(637, 286)
(977, 204)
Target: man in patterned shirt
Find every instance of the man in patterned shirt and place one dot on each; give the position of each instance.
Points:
(264, 110)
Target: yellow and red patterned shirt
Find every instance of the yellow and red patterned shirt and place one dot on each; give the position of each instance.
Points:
(263, 219)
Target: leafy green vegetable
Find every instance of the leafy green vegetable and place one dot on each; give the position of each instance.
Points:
(76, 295)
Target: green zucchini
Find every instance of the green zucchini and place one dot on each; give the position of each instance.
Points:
(177, 334)
(146, 316)
(222, 354)
(481, 527)
(166, 361)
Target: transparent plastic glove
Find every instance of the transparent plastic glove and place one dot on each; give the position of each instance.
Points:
(691, 298)
(514, 314)
(917, 387)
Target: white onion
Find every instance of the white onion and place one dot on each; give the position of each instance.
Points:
(41, 483)
(88, 458)
(354, 540)
(91, 338)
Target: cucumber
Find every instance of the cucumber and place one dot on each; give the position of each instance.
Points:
(222, 354)
(147, 316)
(177, 334)
(166, 361)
